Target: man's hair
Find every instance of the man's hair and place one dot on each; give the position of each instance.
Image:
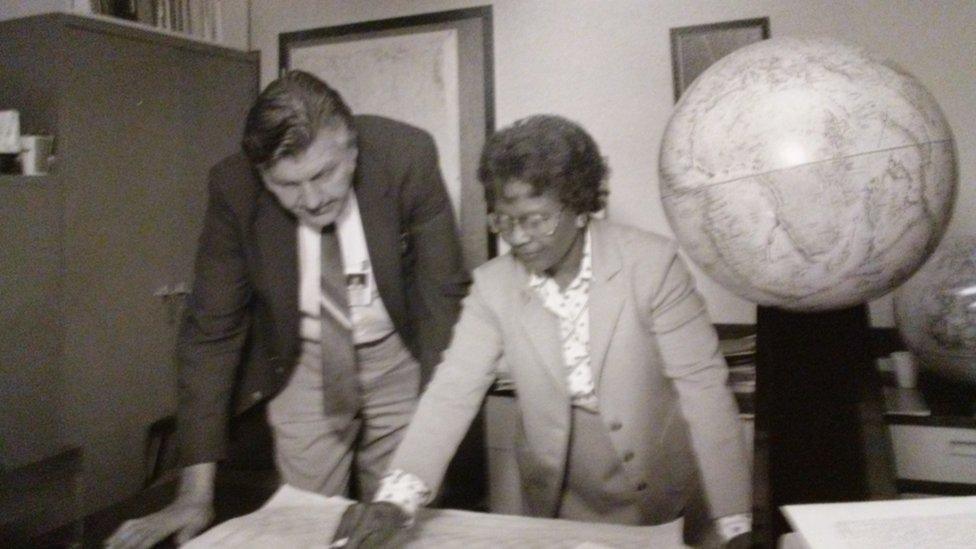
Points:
(550, 153)
(288, 115)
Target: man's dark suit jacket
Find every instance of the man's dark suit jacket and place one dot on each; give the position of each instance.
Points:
(239, 340)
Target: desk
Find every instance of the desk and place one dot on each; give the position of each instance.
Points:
(933, 433)
(934, 454)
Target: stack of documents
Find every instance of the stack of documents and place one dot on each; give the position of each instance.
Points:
(740, 355)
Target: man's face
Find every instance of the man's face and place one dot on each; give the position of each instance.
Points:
(315, 183)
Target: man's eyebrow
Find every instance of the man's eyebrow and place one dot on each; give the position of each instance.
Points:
(330, 166)
(282, 182)
(325, 169)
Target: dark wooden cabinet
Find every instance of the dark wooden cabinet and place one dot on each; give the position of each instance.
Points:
(95, 255)
(31, 377)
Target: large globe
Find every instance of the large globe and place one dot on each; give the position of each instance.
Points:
(806, 174)
(935, 311)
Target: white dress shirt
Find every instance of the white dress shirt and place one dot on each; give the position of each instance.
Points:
(369, 317)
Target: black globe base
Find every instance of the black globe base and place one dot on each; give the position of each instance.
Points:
(812, 370)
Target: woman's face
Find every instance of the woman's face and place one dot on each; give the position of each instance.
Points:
(542, 231)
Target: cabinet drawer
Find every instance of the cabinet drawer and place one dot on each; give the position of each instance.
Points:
(941, 454)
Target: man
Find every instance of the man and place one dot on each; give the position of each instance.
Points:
(319, 201)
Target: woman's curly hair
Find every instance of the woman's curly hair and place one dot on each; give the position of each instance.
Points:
(550, 153)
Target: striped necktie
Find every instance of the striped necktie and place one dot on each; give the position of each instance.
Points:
(341, 384)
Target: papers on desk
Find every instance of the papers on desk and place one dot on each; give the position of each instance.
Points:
(733, 348)
(946, 523)
(296, 518)
(740, 355)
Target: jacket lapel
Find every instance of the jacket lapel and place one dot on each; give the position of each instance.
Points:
(380, 225)
(542, 329)
(275, 234)
(607, 294)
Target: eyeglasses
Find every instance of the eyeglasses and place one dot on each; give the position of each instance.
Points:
(535, 225)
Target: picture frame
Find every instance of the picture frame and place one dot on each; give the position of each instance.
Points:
(434, 71)
(697, 47)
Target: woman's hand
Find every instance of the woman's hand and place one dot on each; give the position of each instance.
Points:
(370, 525)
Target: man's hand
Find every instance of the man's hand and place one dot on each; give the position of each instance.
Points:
(187, 516)
(185, 519)
(370, 526)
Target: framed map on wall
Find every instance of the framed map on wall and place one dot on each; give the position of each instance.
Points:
(433, 71)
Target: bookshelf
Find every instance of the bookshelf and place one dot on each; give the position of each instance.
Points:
(201, 19)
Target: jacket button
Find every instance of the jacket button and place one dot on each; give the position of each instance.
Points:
(256, 396)
(280, 370)
(628, 455)
(615, 425)
(641, 486)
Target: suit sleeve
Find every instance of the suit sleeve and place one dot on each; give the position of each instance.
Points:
(689, 349)
(454, 396)
(440, 277)
(212, 335)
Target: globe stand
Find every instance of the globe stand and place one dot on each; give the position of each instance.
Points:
(811, 372)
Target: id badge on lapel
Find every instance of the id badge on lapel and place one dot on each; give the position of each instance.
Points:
(359, 285)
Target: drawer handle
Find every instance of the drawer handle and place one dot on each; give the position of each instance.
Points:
(965, 448)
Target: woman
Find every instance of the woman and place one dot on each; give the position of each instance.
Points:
(625, 413)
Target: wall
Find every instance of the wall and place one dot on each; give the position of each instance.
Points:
(607, 65)
(10, 9)
(235, 22)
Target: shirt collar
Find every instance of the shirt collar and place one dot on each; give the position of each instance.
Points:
(350, 211)
(347, 216)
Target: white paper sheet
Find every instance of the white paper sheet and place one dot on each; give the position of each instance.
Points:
(946, 523)
(294, 518)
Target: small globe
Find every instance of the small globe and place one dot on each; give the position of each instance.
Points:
(806, 174)
(935, 311)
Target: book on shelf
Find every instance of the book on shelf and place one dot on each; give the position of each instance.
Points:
(197, 18)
